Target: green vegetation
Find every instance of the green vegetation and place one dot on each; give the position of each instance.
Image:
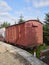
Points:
(5, 24)
(21, 19)
(46, 29)
(39, 48)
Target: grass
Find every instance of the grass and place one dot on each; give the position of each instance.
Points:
(39, 48)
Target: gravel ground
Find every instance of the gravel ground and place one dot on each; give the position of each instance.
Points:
(7, 58)
(10, 55)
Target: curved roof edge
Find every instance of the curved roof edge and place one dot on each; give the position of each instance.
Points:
(25, 22)
(35, 20)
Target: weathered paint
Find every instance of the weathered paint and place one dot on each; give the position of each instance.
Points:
(34, 33)
(26, 34)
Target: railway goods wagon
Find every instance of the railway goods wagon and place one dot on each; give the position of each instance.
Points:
(2, 34)
(26, 34)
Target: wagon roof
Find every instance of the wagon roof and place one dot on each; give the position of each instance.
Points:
(34, 20)
(25, 22)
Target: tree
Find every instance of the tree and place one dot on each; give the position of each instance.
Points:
(21, 19)
(5, 24)
(46, 29)
(15, 22)
(38, 19)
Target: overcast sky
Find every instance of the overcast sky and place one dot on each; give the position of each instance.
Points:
(10, 10)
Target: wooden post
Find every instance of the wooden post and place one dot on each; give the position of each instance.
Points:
(35, 52)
